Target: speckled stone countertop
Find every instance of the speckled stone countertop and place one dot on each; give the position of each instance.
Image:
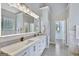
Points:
(15, 48)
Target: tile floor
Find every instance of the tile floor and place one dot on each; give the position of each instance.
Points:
(57, 50)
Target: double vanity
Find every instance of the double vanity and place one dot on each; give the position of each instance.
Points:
(33, 46)
(23, 33)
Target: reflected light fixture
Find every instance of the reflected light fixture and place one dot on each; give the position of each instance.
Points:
(24, 9)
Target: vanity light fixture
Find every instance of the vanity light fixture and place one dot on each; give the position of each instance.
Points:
(24, 9)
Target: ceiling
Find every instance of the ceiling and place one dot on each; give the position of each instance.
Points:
(9, 8)
(35, 7)
(55, 8)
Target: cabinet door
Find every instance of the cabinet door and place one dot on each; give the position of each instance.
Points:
(40, 46)
(24, 52)
(44, 43)
(33, 50)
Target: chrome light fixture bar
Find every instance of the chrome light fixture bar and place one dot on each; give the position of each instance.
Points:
(24, 9)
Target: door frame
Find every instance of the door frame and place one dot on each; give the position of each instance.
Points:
(65, 31)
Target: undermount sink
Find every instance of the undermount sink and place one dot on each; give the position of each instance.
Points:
(32, 39)
(36, 38)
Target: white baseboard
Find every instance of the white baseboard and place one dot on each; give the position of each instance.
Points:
(53, 43)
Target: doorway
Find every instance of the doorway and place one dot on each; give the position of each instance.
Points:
(60, 33)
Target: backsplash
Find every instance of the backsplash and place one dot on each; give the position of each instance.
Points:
(4, 41)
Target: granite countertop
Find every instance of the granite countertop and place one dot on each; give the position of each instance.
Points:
(15, 48)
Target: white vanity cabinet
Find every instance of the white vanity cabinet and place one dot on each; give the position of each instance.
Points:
(37, 48)
(40, 46)
(34, 48)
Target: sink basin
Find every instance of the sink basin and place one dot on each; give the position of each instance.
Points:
(36, 38)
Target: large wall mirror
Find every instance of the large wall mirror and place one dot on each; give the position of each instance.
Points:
(14, 21)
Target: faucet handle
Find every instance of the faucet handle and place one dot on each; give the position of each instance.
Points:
(21, 39)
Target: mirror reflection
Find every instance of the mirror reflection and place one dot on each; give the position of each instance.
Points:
(15, 21)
